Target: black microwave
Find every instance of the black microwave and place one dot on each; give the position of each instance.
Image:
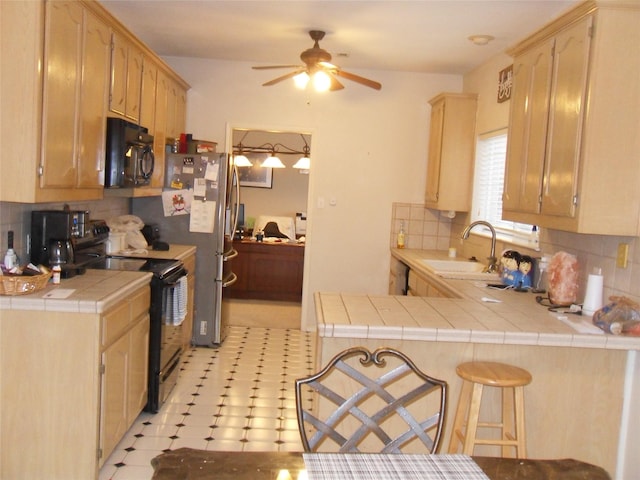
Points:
(129, 155)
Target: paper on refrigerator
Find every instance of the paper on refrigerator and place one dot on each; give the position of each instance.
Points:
(176, 202)
(203, 215)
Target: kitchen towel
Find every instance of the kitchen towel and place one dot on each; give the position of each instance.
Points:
(176, 303)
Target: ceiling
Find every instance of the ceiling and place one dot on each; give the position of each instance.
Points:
(427, 36)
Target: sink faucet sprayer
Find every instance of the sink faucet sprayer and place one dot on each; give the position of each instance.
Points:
(493, 261)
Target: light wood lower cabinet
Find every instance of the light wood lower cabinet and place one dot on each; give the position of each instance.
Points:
(420, 286)
(187, 325)
(72, 384)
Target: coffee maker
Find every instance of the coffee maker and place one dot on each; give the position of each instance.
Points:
(54, 234)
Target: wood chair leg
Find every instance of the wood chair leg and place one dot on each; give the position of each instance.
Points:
(462, 412)
(508, 421)
(520, 423)
(472, 420)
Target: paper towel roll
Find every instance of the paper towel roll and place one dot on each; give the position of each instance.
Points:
(593, 296)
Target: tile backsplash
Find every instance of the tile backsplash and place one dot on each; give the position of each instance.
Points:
(424, 228)
(433, 230)
(17, 217)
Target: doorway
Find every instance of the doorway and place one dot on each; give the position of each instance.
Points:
(280, 194)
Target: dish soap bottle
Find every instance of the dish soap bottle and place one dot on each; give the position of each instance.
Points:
(10, 259)
(400, 242)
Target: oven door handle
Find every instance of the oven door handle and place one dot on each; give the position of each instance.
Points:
(173, 280)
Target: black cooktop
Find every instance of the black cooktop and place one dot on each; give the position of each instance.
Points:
(161, 268)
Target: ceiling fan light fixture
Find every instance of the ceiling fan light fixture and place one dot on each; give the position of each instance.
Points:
(301, 80)
(321, 81)
(272, 162)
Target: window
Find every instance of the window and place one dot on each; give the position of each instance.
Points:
(488, 183)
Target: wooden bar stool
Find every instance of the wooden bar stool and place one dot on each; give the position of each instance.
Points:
(475, 376)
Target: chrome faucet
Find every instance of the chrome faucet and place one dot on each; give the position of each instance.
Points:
(493, 261)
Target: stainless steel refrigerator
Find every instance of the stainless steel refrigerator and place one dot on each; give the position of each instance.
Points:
(200, 207)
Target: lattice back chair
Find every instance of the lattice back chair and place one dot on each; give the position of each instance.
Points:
(388, 405)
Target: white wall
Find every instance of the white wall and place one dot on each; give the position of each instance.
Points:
(369, 150)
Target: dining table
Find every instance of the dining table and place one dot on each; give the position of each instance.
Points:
(193, 464)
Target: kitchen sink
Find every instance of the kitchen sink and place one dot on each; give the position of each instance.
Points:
(462, 269)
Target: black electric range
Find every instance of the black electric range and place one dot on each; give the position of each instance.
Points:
(161, 268)
(165, 333)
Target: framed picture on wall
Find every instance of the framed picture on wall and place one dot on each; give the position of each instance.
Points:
(256, 176)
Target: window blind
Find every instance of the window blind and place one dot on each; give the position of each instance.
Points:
(488, 184)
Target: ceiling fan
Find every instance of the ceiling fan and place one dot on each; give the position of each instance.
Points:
(317, 61)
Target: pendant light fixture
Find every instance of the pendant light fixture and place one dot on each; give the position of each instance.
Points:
(304, 162)
(273, 150)
(272, 161)
(239, 159)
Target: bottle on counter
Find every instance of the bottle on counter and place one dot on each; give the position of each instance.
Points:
(400, 242)
(535, 238)
(10, 259)
(56, 274)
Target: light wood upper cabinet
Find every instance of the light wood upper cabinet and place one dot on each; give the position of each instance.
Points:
(451, 152)
(55, 89)
(94, 98)
(575, 116)
(126, 78)
(74, 103)
(160, 129)
(527, 129)
(63, 80)
(148, 95)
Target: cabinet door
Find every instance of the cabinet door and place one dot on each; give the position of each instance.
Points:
(63, 60)
(160, 131)
(115, 382)
(134, 83)
(148, 96)
(527, 131)
(138, 368)
(126, 78)
(94, 101)
(118, 91)
(436, 128)
(568, 102)
(172, 101)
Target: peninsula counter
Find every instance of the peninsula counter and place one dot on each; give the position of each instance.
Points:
(580, 403)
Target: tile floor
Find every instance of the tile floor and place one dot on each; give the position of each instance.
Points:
(239, 396)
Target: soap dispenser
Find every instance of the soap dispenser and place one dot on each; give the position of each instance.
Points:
(400, 242)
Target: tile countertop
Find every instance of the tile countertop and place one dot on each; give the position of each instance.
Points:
(93, 292)
(514, 319)
(178, 252)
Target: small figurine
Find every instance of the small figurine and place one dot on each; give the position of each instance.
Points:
(524, 274)
(510, 262)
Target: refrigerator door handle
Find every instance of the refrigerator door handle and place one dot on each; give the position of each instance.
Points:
(237, 206)
(233, 253)
(233, 278)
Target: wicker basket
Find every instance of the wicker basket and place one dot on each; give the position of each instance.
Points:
(23, 285)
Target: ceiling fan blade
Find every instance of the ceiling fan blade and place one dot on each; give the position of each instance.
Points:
(269, 67)
(335, 84)
(282, 78)
(358, 79)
